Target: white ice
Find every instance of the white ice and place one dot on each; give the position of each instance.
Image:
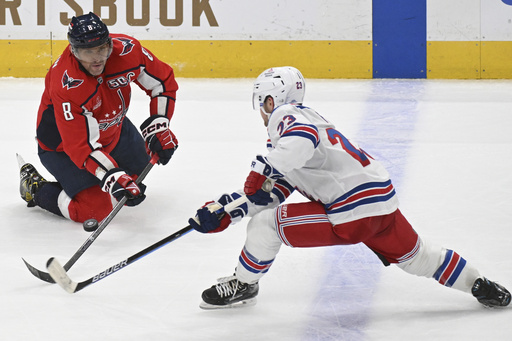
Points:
(447, 145)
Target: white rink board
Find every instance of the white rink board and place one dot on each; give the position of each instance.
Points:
(236, 20)
(469, 20)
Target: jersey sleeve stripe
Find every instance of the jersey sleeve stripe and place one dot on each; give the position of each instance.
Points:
(282, 190)
(269, 144)
(303, 130)
(365, 194)
(151, 83)
(93, 130)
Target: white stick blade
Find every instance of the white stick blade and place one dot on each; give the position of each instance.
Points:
(60, 276)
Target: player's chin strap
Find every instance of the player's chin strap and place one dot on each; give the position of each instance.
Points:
(60, 276)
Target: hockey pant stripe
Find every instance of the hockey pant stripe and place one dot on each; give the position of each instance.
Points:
(283, 223)
(252, 264)
(451, 268)
(411, 254)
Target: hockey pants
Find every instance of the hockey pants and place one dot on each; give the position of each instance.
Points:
(390, 236)
(77, 195)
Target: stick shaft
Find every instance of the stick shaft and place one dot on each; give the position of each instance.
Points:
(45, 276)
(59, 274)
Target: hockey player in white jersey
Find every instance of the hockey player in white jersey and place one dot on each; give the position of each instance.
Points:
(352, 200)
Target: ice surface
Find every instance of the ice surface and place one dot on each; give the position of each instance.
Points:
(447, 144)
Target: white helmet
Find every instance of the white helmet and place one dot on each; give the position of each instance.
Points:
(285, 84)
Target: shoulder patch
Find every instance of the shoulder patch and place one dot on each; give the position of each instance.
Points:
(69, 83)
(127, 45)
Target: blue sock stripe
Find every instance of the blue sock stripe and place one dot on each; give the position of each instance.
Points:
(456, 273)
(253, 264)
(447, 258)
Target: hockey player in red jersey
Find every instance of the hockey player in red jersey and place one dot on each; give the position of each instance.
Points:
(84, 138)
(352, 200)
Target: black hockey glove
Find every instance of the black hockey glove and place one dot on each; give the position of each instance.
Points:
(119, 184)
(159, 138)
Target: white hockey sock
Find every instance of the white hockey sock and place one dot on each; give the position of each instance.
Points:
(261, 247)
(445, 266)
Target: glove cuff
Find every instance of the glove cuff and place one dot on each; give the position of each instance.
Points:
(262, 166)
(110, 178)
(154, 124)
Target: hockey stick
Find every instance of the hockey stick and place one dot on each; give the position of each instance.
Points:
(60, 275)
(46, 276)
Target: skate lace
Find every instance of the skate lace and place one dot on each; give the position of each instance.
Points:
(228, 286)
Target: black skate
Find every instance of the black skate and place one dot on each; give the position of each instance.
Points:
(229, 293)
(30, 181)
(490, 294)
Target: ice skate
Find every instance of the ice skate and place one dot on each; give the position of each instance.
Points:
(229, 293)
(490, 294)
(30, 181)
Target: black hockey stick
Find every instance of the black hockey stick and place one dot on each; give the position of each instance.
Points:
(60, 275)
(45, 276)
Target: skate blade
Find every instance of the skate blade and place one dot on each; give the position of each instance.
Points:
(242, 304)
(21, 162)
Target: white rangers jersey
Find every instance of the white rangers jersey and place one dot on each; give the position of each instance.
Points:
(325, 166)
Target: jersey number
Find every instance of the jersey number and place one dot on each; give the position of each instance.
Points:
(290, 119)
(66, 107)
(358, 154)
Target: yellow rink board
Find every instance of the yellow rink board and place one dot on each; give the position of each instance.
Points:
(469, 60)
(316, 59)
(200, 58)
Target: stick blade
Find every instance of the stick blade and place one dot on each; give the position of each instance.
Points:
(60, 276)
(44, 276)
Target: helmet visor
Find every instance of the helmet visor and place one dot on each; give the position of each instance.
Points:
(94, 54)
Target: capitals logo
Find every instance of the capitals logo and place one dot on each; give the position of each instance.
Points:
(69, 83)
(127, 45)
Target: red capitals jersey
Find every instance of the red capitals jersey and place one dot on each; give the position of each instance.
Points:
(80, 113)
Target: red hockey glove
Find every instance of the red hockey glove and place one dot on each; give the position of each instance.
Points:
(119, 184)
(256, 187)
(159, 138)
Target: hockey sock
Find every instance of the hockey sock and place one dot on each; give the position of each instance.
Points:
(250, 269)
(47, 197)
(455, 272)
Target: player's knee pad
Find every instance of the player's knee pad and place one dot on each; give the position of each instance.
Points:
(426, 261)
(91, 203)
